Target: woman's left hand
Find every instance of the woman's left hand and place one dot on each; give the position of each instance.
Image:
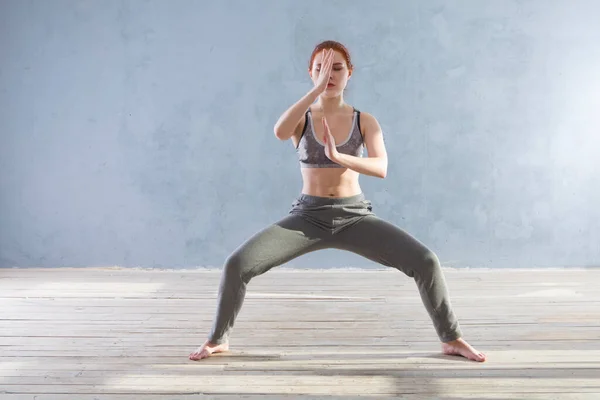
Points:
(330, 149)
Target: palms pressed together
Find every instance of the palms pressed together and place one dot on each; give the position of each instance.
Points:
(330, 148)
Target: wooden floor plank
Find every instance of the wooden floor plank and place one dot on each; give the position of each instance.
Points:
(125, 334)
(404, 396)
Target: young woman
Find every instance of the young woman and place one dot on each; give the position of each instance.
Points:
(332, 211)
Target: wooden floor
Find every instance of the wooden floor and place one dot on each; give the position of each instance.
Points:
(90, 334)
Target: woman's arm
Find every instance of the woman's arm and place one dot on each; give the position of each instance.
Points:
(376, 163)
(289, 121)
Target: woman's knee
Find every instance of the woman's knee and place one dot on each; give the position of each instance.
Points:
(239, 266)
(234, 266)
(429, 264)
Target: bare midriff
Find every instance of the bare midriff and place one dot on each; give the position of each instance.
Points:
(330, 182)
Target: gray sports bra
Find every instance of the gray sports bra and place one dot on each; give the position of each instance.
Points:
(311, 151)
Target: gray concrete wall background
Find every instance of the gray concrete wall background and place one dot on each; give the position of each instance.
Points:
(139, 133)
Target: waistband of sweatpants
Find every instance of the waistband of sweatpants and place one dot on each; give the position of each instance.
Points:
(322, 201)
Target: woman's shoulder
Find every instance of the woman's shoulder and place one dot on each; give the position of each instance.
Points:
(368, 122)
(365, 115)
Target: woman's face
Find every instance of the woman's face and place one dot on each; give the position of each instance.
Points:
(339, 73)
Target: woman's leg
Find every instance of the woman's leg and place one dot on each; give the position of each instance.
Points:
(275, 245)
(387, 244)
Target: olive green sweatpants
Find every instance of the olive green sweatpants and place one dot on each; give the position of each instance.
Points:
(347, 223)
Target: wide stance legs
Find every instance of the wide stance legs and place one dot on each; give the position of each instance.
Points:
(348, 224)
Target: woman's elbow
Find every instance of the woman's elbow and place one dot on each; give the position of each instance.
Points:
(281, 134)
(383, 170)
(278, 133)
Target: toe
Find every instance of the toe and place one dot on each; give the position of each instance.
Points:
(196, 355)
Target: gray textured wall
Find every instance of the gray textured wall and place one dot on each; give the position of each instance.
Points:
(139, 133)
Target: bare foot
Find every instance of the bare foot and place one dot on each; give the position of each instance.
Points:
(207, 349)
(459, 347)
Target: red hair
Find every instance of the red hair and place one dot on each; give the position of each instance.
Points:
(336, 46)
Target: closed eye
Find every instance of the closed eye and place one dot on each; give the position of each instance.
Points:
(335, 69)
(336, 66)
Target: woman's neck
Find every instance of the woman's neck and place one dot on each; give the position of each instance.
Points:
(331, 105)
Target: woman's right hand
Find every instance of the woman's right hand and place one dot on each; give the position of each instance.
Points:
(325, 72)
